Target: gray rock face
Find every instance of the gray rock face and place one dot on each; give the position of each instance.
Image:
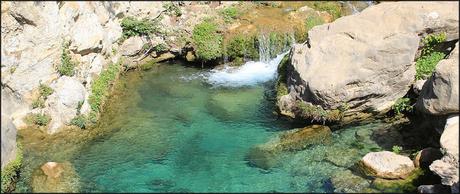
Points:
(365, 60)
(10, 104)
(387, 165)
(132, 46)
(440, 95)
(433, 189)
(447, 167)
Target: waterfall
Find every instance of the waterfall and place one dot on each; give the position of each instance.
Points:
(250, 73)
(264, 48)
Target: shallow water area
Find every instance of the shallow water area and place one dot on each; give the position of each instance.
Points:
(169, 130)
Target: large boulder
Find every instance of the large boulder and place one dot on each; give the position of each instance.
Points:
(55, 177)
(447, 166)
(63, 103)
(386, 165)
(132, 46)
(267, 155)
(87, 35)
(364, 61)
(439, 95)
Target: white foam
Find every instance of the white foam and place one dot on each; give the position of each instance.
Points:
(251, 73)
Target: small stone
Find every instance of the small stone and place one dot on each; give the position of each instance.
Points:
(52, 169)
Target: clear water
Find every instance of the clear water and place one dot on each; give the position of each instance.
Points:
(169, 130)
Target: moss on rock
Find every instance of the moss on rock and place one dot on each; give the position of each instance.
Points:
(11, 172)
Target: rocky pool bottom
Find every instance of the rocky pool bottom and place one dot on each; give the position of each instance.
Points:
(169, 130)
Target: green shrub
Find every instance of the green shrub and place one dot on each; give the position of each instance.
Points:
(312, 21)
(134, 27)
(45, 90)
(426, 65)
(402, 105)
(281, 87)
(396, 149)
(429, 58)
(160, 48)
(10, 173)
(207, 41)
(241, 46)
(317, 113)
(79, 121)
(38, 103)
(229, 13)
(67, 67)
(172, 9)
(101, 86)
(332, 7)
(38, 119)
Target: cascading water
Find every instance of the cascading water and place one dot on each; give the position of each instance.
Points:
(253, 72)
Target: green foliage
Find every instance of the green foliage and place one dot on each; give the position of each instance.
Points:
(281, 87)
(79, 121)
(396, 149)
(172, 9)
(313, 20)
(240, 47)
(207, 41)
(45, 91)
(38, 103)
(317, 113)
(332, 7)
(426, 63)
(279, 42)
(101, 86)
(402, 105)
(229, 13)
(134, 27)
(10, 173)
(160, 48)
(38, 119)
(67, 66)
(407, 185)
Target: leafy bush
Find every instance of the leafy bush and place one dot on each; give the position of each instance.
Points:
(333, 8)
(402, 105)
(240, 47)
(229, 13)
(312, 21)
(67, 67)
(160, 48)
(426, 63)
(101, 86)
(10, 173)
(79, 121)
(396, 149)
(317, 113)
(281, 87)
(134, 27)
(172, 9)
(207, 41)
(45, 91)
(38, 119)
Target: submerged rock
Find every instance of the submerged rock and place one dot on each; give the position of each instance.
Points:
(347, 182)
(372, 62)
(386, 164)
(266, 155)
(439, 95)
(408, 184)
(55, 177)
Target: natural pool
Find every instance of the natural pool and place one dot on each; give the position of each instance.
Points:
(169, 130)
